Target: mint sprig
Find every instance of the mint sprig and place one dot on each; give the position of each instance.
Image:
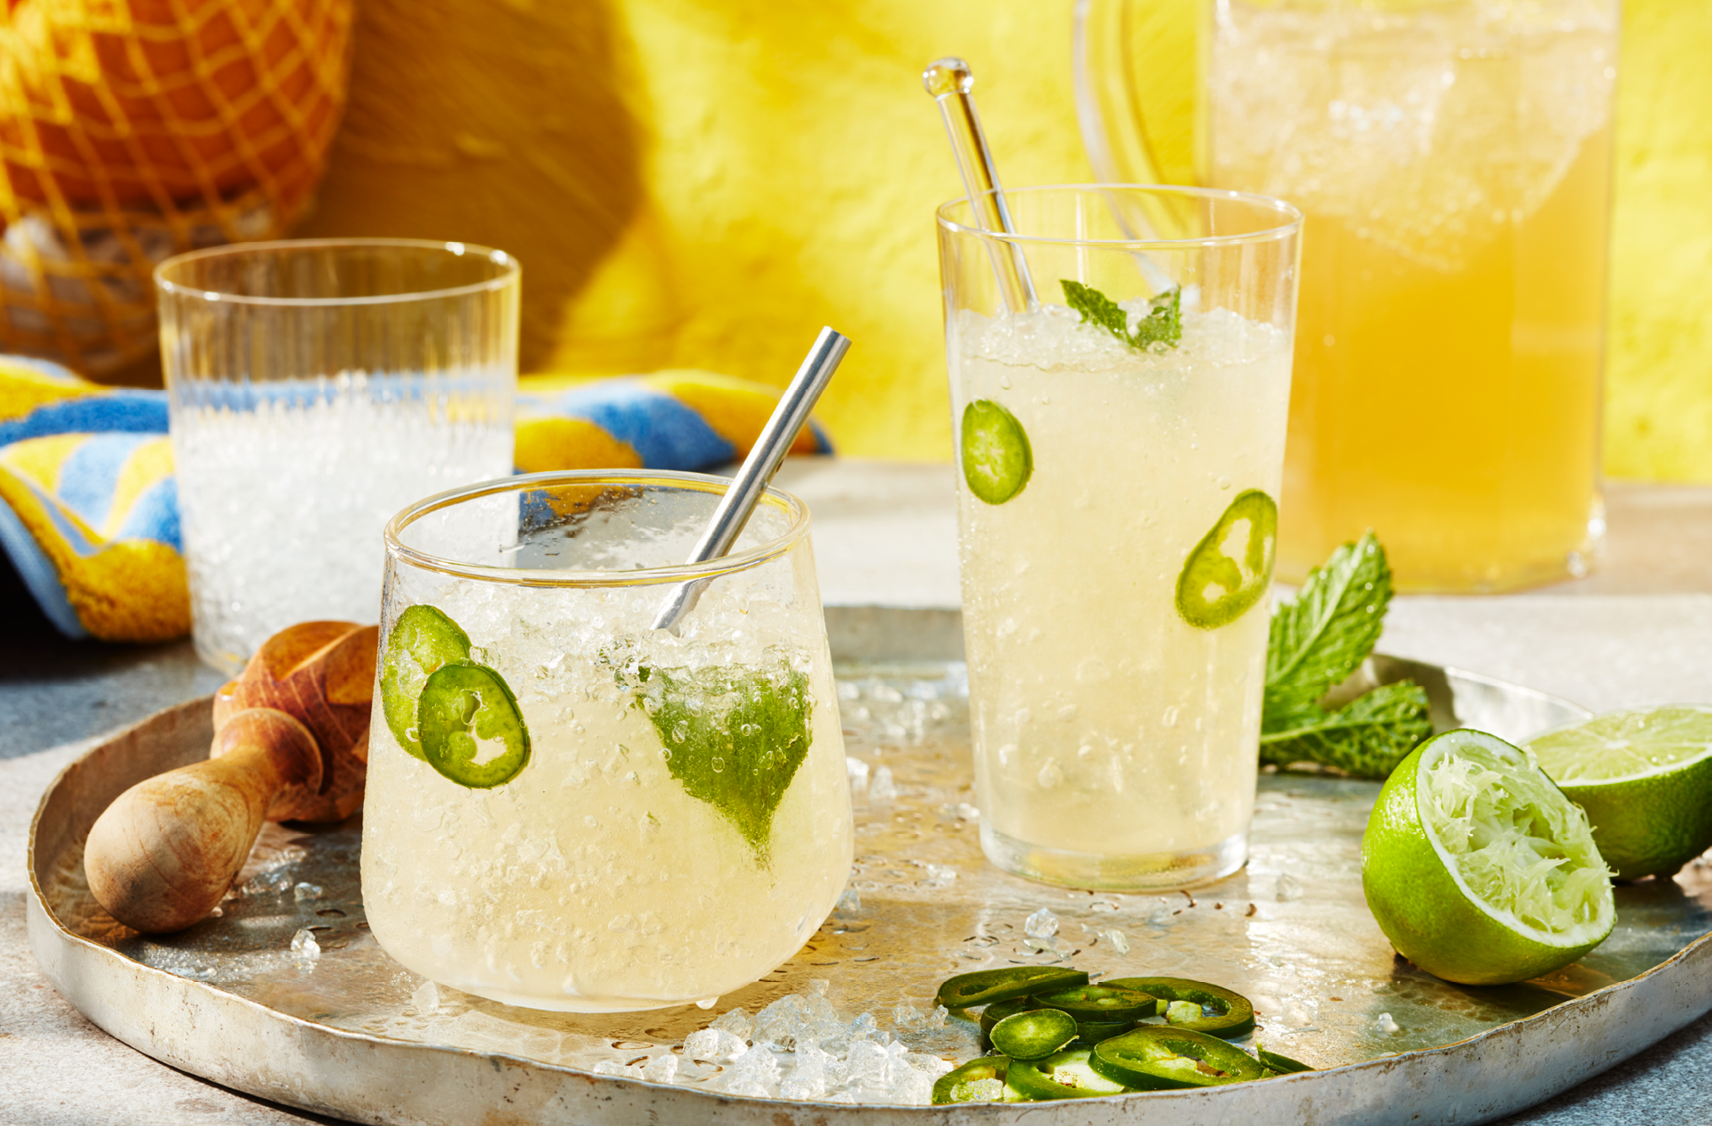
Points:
(1163, 323)
(1315, 642)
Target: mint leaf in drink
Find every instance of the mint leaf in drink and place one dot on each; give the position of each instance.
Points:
(733, 737)
(1315, 642)
(1367, 737)
(1163, 323)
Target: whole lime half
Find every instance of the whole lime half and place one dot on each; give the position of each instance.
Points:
(1644, 776)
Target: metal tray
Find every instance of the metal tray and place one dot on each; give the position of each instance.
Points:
(353, 1034)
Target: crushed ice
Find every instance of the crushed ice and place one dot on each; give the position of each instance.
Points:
(1289, 887)
(800, 1048)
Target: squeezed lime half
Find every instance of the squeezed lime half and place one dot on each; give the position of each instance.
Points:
(1478, 868)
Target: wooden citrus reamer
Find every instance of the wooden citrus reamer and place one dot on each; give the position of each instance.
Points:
(291, 739)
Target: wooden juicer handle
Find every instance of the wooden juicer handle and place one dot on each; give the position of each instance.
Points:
(290, 743)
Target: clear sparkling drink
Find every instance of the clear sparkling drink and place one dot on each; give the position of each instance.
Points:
(283, 505)
(680, 823)
(1107, 724)
(1121, 447)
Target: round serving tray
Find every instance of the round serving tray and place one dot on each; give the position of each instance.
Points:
(351, 1033)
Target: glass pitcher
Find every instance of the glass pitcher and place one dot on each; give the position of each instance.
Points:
(1453, 159)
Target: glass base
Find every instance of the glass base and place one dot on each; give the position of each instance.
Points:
(1160, 871)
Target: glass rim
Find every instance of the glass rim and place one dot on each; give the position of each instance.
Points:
(510, 269)
(745, 560)
(1288, 212)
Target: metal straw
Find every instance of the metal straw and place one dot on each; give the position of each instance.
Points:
(949, 82)
(758, 469)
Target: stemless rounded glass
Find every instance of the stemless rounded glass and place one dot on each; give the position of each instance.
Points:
(682, 822)
(315, 388)
(1118, 519)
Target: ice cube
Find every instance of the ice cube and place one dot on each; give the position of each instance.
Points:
(1119, 940)
(756, 1074)
(613, 1067)
(716, 1044)
(864, 1027)
(1043, 924)
(882, 788)
(736, 1022)
(1386, 1025)
(866, 1062)
(850, 903)
(662, 1068)
(306, 891)
(808, 1078)
(1289, 887)
(426, 999)
(783, 1022)
(304, 946)
(907, 1018)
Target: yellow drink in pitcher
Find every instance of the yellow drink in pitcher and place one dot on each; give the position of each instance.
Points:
(1453, 162)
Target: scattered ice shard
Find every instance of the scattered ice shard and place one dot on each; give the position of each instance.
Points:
(882, 788)
(1043, 924)
(304, 946)
(1289, 887)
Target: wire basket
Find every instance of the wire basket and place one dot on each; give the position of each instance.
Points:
(132, 130)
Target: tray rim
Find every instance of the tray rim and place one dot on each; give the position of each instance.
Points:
(1369, 1091)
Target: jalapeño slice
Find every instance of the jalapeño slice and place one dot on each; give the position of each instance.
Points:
(464, 703)
(1158, 1057)
(983, 987)
(997, 459)
(1103, 1002)
(999, 1010)
(419, 643)
(1231, 1014)
(1065, 1075)
(1035, 1034)
(1091, 1032)
(978, 1081)
(1223, 578)
(1283, 1065)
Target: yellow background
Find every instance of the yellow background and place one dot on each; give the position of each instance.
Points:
(703, 183)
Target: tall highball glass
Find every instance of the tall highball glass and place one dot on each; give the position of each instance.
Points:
(1121, 446)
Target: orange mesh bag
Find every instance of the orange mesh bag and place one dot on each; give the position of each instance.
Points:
(132, 130)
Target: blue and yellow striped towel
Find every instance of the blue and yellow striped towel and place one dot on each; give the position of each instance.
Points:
(89, 511)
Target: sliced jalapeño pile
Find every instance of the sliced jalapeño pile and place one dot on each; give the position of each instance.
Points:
(1052, 1034)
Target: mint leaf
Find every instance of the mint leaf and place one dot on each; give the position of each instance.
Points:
(734, 737)
(1367, 737)
(1323, 635)
(1315, 642)
(1162, 325)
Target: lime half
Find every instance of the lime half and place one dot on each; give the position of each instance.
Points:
(1478, 868)
(1644, 776)
(997, 460)
(1231, 568)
